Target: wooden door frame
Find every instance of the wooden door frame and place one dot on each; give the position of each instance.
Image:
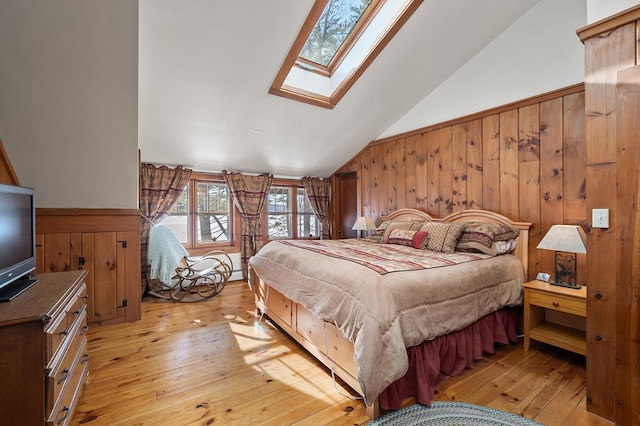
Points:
(335, 200)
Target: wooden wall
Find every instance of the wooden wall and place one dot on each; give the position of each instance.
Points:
(524, 160)
(612, 101)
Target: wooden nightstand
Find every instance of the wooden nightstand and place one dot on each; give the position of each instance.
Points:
(539, 297)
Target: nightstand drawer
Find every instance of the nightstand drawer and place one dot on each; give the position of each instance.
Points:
(558, 302)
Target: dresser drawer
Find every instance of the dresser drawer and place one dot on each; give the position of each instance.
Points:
(558, 302)
(60, 326)
(66, 361)
(65, 405)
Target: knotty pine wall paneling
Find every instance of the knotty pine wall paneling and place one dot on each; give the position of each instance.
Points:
(491, 162)
(474, 185)
(628, 249)
(510, 160)
(106, 242)
(611, 47)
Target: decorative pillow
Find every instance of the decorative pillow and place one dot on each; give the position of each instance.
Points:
(505, 232)
(442, 236)
(477, 236)
(403, 237)
(504, 247)
(379, 232)
(408, 225)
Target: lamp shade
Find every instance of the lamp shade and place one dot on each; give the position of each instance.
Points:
(364, 224)
(568, 238)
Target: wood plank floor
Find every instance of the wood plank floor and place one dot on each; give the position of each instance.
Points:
(213, 362)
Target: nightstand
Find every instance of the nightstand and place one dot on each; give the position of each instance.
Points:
(540, 297)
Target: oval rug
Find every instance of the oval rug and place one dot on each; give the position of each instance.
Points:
(451, 413)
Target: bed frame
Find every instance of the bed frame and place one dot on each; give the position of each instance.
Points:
(323, 339)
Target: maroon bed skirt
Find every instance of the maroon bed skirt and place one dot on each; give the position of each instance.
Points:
(433, 361)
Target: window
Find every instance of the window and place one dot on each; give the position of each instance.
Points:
(337, 43)
(202, 217)
(288, 217)
(308, 224)
(212, 213)
(178, 219)
(339, 21)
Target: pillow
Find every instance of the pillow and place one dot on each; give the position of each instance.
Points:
(403, 237)
(442, 236)
(409, 225)
(505, 232)
(379, 232)
(477, 236)
(504, 247)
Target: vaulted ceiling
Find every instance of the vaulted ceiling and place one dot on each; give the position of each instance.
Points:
(205, 68)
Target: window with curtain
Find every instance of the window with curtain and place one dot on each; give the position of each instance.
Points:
(202, 217)
(289, 214)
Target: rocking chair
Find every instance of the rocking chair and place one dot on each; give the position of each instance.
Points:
(182, 275)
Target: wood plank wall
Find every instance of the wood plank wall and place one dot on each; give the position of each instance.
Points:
(612, 102)
(525, 160)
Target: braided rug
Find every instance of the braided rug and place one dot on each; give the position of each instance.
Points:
(450, 413)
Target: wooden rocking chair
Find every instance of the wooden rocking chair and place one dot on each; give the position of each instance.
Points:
(204, 276)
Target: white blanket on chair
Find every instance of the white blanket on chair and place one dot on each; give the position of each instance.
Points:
(164, 253)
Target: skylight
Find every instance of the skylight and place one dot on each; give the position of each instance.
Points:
(337, 22)
(338, 41)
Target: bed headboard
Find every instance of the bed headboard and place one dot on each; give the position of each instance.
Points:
(522, 248)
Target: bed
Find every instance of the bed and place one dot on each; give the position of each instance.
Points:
(376, 311)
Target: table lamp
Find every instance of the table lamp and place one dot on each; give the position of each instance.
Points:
(363, 224)
(566, 241)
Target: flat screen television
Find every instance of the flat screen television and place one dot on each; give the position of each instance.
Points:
(17, 240)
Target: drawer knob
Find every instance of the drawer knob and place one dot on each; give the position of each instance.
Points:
(65, 410)
(85, 358)
(598, 295)
(556, 304)
(65, 377)
(84, 329)
(76, 312)
(598, 338)
(64, 333)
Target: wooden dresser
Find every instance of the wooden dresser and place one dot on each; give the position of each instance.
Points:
(43, 351)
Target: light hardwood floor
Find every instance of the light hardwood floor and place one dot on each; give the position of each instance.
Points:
(213, 362)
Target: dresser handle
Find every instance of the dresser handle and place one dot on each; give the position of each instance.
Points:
(65, 377)
(84, 329)
(64, 333)
(76, 312)
(63, 418)
(598, 295)
(85, 358)
(85, 297)
(556, 304)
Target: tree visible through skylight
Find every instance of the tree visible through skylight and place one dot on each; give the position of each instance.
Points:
(334, 26)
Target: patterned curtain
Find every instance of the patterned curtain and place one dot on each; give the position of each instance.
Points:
(249, 194)
(319, 190)
(160, 188)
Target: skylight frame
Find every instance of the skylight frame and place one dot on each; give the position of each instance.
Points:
(280, 88)
(347, 44)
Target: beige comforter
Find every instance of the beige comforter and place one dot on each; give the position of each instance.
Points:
(384, 313)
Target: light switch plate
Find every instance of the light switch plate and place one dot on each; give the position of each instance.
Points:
(600, 218)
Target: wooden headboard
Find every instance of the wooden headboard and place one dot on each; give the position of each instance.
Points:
(522, 248)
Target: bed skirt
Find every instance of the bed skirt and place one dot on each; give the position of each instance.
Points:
(433, 361)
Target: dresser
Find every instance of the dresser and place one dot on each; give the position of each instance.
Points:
(43, 347)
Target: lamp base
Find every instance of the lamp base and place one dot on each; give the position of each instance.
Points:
(567, 285)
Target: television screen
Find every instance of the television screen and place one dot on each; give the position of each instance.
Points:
(17, 233)
(15, 218)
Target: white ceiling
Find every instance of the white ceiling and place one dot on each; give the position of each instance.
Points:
(205, 68)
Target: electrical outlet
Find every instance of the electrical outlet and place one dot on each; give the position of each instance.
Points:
(600, 218)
